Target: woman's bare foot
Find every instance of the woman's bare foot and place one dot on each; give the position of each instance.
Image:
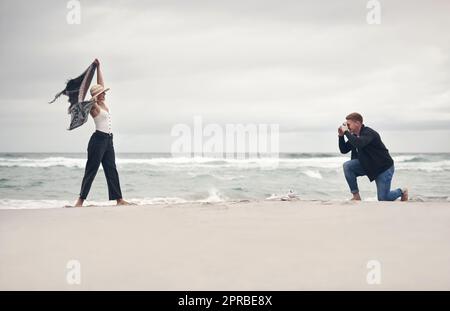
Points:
(79, 202)
(356, 197)
(122, 202)
(404, 194)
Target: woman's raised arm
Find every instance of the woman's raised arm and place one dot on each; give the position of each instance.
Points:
(99, 73)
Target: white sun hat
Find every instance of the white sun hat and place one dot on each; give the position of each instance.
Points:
(97, 89)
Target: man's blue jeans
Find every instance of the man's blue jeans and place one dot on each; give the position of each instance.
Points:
(353, 169)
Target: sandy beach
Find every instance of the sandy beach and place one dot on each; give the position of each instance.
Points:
(297, 245)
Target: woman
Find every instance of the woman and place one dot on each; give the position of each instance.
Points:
(100, 148)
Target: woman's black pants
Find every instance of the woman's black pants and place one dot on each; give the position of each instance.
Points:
(101, 150)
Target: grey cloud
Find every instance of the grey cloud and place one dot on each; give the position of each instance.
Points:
(302, 64)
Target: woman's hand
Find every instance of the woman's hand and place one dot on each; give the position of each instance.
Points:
(97, 62)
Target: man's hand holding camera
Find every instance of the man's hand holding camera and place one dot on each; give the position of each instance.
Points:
(342, 129)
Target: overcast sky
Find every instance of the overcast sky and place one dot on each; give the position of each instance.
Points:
(301, 64)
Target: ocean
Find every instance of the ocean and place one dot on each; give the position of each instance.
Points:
(52, 180)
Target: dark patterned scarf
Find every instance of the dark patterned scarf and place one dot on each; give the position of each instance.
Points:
(76, 89)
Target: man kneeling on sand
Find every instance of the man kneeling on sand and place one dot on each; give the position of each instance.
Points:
(369, 158)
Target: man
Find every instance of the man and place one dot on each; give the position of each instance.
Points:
(369, 158)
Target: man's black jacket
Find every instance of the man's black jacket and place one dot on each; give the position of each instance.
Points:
(369, 149)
